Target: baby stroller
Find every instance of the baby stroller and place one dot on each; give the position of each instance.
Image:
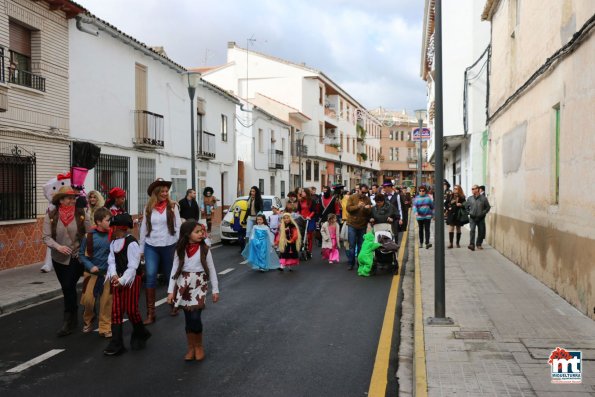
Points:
(385, 257)
(302, 224)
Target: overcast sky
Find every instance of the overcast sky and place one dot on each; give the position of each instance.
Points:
(371, 49)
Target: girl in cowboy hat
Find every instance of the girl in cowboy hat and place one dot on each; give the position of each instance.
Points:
(159, 233)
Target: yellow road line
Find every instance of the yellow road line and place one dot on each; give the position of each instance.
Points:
(379, 379)
(421, 380)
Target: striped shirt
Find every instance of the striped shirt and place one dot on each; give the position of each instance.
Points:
(423, 206)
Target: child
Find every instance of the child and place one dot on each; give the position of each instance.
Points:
(193, 267)
(116, 200)
(274, 220)
(289, 241)
(259, 252)
(330, 239)
(93, 254)
(122, 272)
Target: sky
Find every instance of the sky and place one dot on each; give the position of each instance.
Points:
(370, 48)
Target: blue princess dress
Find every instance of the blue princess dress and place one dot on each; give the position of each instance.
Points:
(259, 252)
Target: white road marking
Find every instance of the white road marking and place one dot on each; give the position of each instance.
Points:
(34, 361)
(160, 302)
(243, 263)
(231, 269)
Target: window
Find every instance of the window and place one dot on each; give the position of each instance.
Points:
(348, 144)
(353, 145)
(17, 185)
(140, 86)
(273, 140)
(283, 145)
(320, 95)
(347, 111)
(396, 154)
(556, 154)
(272, 185)
(19, 69)
(341, 143)
(224, 128)
(316, 171)
(178, 188)
(308, 170)
(146, 175)
(402, 135)
(261, 186)
(282, 189)
(260, 141)
(112, 171)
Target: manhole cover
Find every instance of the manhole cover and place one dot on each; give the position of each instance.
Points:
(37, 282)
(473, 335)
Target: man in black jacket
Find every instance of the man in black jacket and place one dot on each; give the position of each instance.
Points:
(478, 207)
(189, 206)
(395, 199)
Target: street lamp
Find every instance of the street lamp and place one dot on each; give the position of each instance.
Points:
(340, 173)
(191, 79)
(420, 115)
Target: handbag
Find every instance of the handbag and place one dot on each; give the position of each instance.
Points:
(462, 216)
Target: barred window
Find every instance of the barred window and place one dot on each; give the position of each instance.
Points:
(17, 185)
(112, 171)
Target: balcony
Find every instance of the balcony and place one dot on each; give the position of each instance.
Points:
(148, 129)
(276, 159)
(206, 146)
(26, 79)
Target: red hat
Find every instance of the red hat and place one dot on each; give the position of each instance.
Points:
(116, 192)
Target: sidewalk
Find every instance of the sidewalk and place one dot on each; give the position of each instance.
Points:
(514, 321)
(26, 285)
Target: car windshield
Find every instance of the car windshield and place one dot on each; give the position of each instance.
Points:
(267, 203)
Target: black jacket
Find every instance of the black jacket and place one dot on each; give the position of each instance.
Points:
(189, 211)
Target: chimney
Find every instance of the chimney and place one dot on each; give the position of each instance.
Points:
(231, 44)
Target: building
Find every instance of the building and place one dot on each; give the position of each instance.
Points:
(339, 140)
(465, 40)
(34, 119)
(263, 148)
(147, 133)
(540, 142)
(399, 154)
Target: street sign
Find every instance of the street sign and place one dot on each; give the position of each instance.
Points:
(425, 134)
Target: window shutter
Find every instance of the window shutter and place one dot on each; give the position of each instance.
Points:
(20, 39)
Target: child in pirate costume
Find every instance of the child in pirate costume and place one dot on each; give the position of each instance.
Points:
(193, 267)
(116, 200)
(122, 273)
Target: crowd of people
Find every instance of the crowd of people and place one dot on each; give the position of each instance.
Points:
(90, 238)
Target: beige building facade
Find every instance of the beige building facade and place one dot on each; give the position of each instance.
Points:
(398, 152)
(540, 119)
(34, 119)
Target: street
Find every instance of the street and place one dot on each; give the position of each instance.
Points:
(311, 332)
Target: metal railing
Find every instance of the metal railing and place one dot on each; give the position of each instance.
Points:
(148, 129)
(206, 145)
(112, 171)
(18, 175)
(26, 79)
(276, 159)
(1, 65)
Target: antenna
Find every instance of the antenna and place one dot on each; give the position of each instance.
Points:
(208, 53)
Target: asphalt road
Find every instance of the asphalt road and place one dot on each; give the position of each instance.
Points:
(312, 332)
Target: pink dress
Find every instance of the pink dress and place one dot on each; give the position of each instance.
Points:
(332, 254)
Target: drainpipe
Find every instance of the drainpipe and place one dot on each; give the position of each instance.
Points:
(79, 25)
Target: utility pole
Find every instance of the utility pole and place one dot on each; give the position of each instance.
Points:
(439, 265)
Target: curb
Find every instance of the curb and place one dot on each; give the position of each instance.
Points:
(419, 357)
(31, 300)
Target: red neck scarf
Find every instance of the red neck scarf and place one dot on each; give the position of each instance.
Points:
(191, 249)
(66, 214)
(160, 206)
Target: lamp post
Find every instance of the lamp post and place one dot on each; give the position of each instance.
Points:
(340, 173)
(420, 115)
(191, 79)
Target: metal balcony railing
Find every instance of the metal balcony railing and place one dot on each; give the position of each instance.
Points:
(1, 65)
(206, 145)
(148, 129)
(26, 79)
(276, 159)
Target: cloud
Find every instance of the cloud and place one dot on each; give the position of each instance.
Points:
(371, 49)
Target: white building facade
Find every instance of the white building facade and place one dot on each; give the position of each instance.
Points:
(465, 39)
(339, 141)
(133, 102)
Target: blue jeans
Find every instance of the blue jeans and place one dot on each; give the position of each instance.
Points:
(153, 257)
(356, 239)
(249, 224)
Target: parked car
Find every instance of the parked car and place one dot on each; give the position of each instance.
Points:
(228, 235)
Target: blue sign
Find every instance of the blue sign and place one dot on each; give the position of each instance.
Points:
(425, 134)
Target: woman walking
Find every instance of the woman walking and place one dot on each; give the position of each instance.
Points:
(63, 229)
(307, 209)
(423, 206)
(255, 206)
(454, 206)
(159, 233)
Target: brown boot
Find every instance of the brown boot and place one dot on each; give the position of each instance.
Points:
(191, 338)
(173, 311)
(199, 352)
(150, 293)
(451, 236)
(458, 240)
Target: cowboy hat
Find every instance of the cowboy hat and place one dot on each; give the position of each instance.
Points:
(63, 192)
(158, 182)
